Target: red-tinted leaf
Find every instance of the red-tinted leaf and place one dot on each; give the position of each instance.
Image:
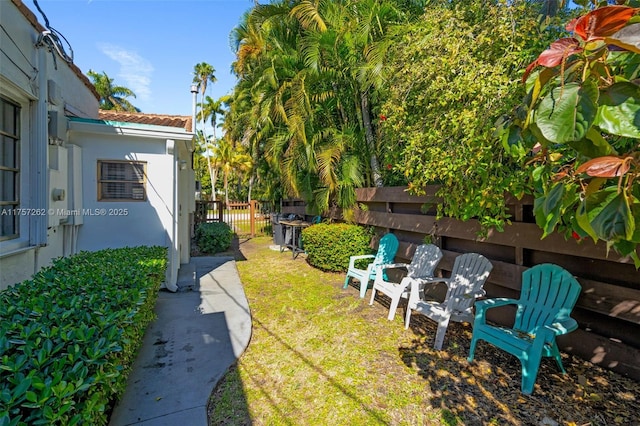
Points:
(530, 67)
(606, 167)
(555, 54)
(603, 22)
(571, 25)
(558, 51)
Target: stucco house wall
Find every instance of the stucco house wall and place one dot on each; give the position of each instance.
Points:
(59, 140)
(44, 89)
(163, 217)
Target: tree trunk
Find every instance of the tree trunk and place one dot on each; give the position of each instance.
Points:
(371, 142)
(250, 188)
(212, 176)
(226, 189)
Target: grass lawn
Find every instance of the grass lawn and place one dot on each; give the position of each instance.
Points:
(320, 355)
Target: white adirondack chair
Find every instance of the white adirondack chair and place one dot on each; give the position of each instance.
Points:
(470, 271)
(422, 266)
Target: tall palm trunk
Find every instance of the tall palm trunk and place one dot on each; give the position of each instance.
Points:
(370, 139)
(226, 189)
(213, 177)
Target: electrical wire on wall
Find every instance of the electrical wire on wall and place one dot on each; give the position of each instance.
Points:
(52, 39)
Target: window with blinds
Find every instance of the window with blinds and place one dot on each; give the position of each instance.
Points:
(122, 180)
(9, 169)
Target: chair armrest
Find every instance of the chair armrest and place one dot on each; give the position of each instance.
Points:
(483, 305)
(393, 265)
(422, 281)
(469, 295)
(563, 326)
(417, 285)
(352, 259)
(379, 270)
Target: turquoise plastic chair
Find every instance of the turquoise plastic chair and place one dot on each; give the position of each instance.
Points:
(547, 298)
(386, 252)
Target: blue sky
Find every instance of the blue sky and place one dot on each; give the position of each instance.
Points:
(150, 46)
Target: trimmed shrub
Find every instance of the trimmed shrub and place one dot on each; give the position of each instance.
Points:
(213, 237)
(69, 336)
(329, 246)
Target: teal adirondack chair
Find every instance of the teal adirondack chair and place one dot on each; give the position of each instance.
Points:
(386, 252)
(547, 298)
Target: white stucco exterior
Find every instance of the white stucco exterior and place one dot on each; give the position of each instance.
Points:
(60, 143)
(45, 91)
(163, 218)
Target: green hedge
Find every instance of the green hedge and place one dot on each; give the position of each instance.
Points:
(213, 237)
(329, 246)
(69, 336)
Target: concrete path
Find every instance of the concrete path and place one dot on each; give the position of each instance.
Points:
(199, 333)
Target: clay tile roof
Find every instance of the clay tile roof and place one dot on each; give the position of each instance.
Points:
(183, 121)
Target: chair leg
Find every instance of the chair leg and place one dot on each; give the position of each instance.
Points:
(395, 300)
(407, 317)
(373, 294)
(472, 348)
(529, 374)
(363, 287)
(346, 281)
(442, 330)
(555, 353)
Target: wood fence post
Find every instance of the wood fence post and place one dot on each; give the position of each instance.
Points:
(252, 214)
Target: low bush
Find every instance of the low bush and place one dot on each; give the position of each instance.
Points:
(69, 335)
(329, 246)
(213, 237)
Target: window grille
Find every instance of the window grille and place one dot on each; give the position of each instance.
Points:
(122, 180)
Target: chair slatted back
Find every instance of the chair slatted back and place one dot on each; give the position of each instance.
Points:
(387, 250)
(470, 271)
(424, 261)
(549, 292)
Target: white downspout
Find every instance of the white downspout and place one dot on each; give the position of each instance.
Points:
(38, 161)
(174, 263)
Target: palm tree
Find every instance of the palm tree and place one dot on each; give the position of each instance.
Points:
(310, 75)
(207, 150)
(231, 158)
(209, 109)
(202, 74)
(112, 97)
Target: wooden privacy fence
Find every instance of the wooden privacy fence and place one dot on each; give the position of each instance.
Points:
(253, 218)
(608, 310)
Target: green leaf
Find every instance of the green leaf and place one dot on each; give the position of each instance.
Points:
(583, 221)
(593, 145)
(619, 111)
(20, 390)
(567, 112)
(628, 38)
(615, 221)
(548, 209)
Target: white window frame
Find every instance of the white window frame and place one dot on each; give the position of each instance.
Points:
(22, 240)
(11, 212)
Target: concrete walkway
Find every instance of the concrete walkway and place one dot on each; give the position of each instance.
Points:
(199, 333)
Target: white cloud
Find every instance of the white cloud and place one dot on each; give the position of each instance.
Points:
(134, 70)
